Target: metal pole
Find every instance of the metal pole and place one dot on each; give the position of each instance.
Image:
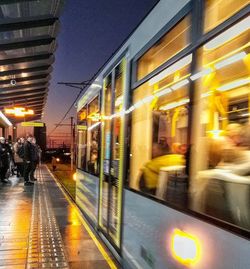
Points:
(71, 144)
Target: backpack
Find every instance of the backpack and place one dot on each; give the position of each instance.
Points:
(20, 151)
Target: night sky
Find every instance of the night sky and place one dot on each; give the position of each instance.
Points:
(90, 32)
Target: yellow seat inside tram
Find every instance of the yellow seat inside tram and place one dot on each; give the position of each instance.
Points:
(152, 168)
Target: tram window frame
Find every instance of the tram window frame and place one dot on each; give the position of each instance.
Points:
(186, 11)
(88, 138)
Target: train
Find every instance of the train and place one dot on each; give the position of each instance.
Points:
(163, 140)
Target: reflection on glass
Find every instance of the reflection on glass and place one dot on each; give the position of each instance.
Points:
(169, 45)
(118, 107)
(159, 135)
(93, 137)
(217, 11)
(221, 142)
(82, 138)
(106, 148)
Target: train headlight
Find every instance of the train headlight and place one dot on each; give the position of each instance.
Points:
(185, 248)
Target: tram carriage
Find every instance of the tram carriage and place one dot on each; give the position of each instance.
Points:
(163, 151)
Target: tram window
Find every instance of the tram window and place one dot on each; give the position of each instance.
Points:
(82, 138)
(169, 45)
(220, 181)
(159, 134)
(217, 11)
(93, 137)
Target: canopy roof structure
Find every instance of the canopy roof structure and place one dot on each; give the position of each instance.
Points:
(28, 30)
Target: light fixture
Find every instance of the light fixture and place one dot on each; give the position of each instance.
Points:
(148, 99)
(236, 57)
(180, 84)
(229, 34)
(4, 118)
(175, 104)
(19, 111)
(170, 70)
(201, 73)
(24, 75)
(234, 84)
(163, 92)
(185, 248)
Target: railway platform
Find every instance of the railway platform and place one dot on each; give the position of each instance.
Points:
(41, 228)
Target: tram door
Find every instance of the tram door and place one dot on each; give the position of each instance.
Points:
(111, 173)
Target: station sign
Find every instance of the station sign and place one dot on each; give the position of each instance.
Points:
(32, 124)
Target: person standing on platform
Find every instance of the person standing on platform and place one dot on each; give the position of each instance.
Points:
(27, 160)
(4, 160)
(19, 155)
(35, 151)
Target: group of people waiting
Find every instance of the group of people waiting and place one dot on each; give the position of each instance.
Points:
(22, 156)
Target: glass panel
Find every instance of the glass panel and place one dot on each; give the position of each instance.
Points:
(30, 9)
(82, 138)
(15, 53)
(159, 134)
(168, 46)
(106, 149)
(93, 137)
(220, 172)
(116, 135)
(217, 11)
(27, 33)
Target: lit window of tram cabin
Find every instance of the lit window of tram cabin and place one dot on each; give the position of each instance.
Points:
(217, 11)
(211, 174)
(221, 137)
(169, 45)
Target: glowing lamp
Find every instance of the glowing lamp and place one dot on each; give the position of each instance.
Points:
(58, 160)
(185, 248)
(74, 176)
(19, 111)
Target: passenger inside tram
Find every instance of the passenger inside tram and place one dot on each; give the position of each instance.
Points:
(213, 168)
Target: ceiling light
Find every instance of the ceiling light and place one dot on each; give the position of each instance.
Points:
(201, 74)
(163, 92)
(234, 84)
(229, 34)
(180, 84)
(2, 116)
(170, 70)
(230, 60)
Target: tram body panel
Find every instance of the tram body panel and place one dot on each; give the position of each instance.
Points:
(148, 227)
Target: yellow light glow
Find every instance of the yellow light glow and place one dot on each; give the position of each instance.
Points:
(24, 75)
(216, 134)
(19, 111)
(58, 160)
(185, 248)
(229, 34)
(74, 176)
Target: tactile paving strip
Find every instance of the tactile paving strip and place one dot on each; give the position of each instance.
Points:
(46, 249)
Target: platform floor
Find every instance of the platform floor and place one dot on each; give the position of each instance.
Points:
(41, 228)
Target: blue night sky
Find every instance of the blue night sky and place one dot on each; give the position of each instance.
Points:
(90, 32)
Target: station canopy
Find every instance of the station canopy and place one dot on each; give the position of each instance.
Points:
(28, 30)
